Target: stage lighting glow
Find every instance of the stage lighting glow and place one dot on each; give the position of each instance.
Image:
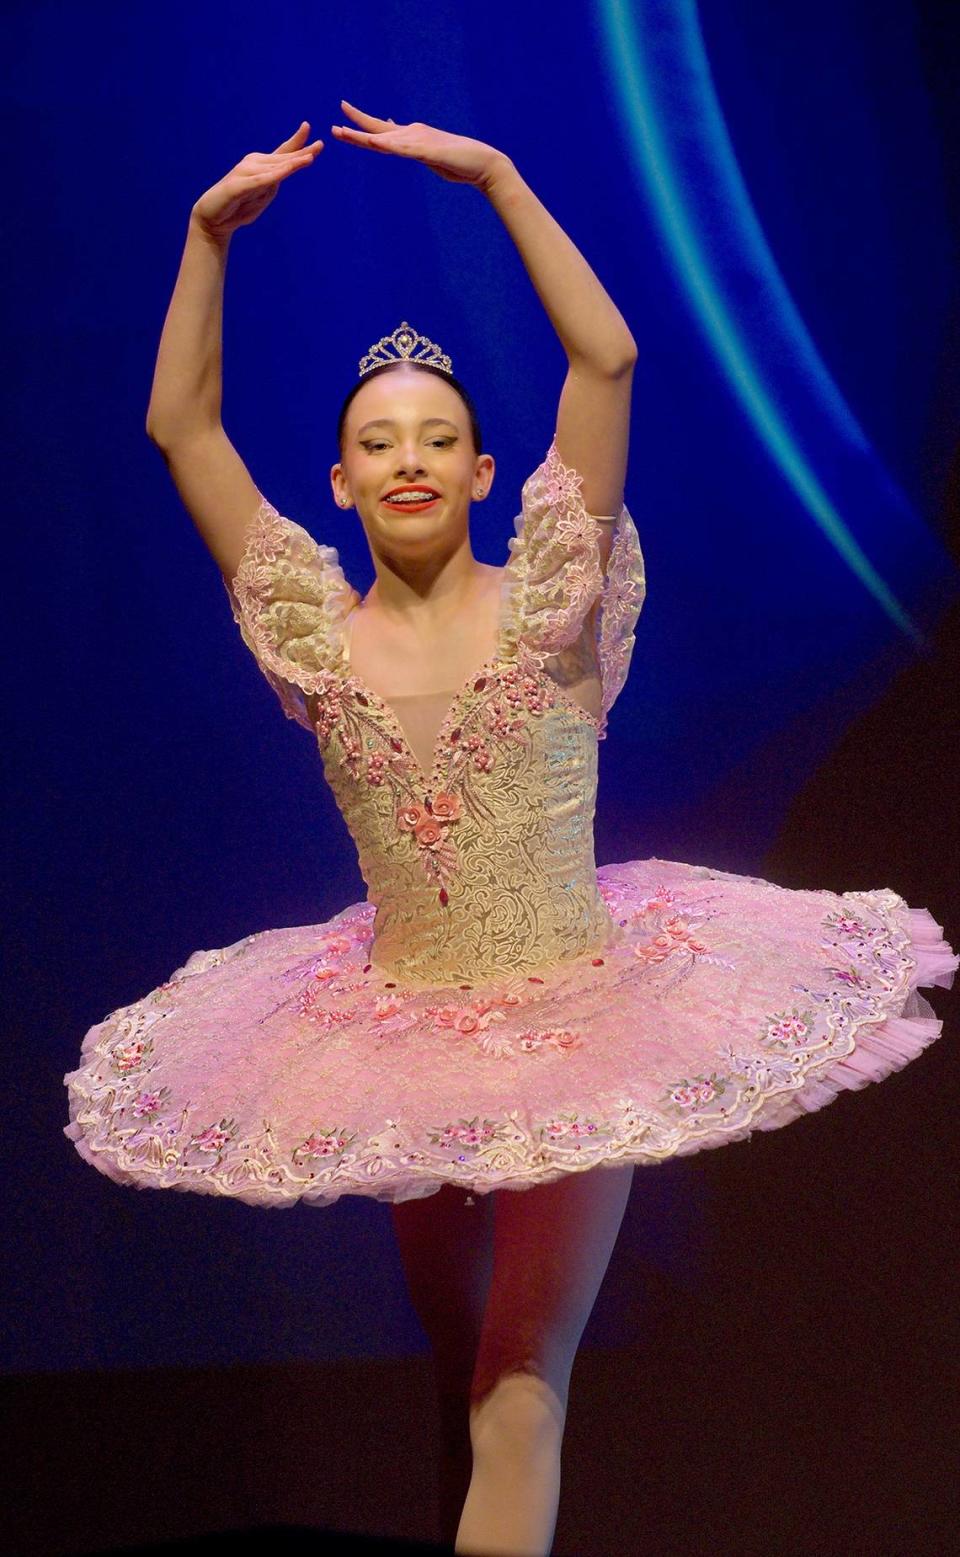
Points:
(681, 150)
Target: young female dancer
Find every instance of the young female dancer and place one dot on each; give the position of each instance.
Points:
(500, 1032)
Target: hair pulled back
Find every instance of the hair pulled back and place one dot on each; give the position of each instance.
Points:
(422, 367)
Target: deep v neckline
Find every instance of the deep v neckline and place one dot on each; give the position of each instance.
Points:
(493, 662)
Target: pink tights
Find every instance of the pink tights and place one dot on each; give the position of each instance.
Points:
(503, 1289)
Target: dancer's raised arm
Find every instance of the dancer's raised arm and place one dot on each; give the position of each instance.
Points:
(593, 415)
(183, 418)
(594, 411)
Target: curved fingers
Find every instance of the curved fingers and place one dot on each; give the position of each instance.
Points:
(289, 143)
(343, 132)
(377, 140)
(358, 113)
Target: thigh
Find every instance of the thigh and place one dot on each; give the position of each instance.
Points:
(446, 1247)
(551, 1248)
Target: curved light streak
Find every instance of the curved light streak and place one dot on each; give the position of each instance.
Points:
(673, 27)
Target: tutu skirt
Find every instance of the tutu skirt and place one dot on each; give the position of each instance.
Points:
(287, 1067)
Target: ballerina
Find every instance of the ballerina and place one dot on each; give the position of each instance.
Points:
(501, 1032)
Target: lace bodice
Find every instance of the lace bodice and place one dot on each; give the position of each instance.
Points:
(471, 808)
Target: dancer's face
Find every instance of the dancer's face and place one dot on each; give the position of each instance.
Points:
(408, 428)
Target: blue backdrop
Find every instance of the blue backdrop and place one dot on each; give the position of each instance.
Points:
(761, 190)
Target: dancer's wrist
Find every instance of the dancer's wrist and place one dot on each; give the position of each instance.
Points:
(501, 177)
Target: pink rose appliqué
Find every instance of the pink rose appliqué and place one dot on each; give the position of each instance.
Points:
(428, 833)
(446, 807)
(410, 816)
(428, 824)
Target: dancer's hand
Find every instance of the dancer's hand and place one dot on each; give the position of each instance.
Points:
(454, 157)
(241, 195)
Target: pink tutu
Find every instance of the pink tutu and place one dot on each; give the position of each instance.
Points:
(285, 1067)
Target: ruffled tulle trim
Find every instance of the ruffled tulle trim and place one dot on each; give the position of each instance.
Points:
(520, 1150)
(290, 599)
(880, 1047)
(553, 576)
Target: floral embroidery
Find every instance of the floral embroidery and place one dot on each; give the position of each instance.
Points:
(510, 685)
(571, 1124)
(446, 807)
(494, 1044)
(311, 1003)
(796, 1038)
(130, 1056)
(391, 1014)
(685, 1095)
(147, 1134)
(322, 1143)
(214, 1138)
(556, 1037)
(329, 709)
(133, 1038)
(427, 823)
(675, 939)
(472, 1018)
(337, 945)
(467, 1132)
(291, 601)
(147, 1104)
(576, 529)
(464, 1020)
(562, 483)
(369, 746)
(788, 1028)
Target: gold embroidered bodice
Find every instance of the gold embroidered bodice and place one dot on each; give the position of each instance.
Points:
(471, 810)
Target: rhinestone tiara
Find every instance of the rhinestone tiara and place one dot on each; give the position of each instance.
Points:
(407, 346)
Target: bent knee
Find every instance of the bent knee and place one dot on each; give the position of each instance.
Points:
(519, 1410)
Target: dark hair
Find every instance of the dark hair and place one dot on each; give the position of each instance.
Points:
(424, 367)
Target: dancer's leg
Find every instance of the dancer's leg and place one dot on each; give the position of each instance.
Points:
(447, 1251)
(552, 1246)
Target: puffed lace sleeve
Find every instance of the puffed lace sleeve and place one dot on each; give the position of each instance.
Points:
(554, 575)
(289, 598)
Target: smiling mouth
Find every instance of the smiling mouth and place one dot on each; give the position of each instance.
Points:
(407, 506)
